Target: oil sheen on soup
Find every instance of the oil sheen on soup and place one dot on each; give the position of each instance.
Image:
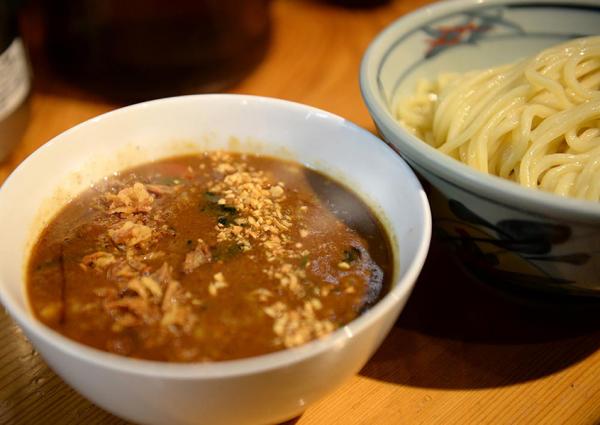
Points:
(208, 257)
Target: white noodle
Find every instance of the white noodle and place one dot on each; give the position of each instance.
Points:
(536, 122)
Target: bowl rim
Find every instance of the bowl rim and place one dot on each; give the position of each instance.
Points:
(490, 187)
(250, 365)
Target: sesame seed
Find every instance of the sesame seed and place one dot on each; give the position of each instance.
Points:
(276, 191)
(343, 265)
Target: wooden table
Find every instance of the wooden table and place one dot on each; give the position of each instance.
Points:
(459, 353)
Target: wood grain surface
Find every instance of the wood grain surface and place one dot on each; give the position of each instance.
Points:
(460, 352)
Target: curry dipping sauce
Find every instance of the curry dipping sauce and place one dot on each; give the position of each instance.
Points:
(208, 257)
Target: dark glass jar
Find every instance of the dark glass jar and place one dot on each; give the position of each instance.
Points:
(15, 82)
(140, 49)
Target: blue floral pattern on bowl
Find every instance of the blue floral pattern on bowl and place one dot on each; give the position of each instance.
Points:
(506, 246)
(484, 247)
(474, 27)
(490, 26)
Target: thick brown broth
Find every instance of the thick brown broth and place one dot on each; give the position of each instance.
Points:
(209, 257)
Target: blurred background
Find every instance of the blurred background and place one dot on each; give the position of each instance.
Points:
(142, 49)
(127, 51)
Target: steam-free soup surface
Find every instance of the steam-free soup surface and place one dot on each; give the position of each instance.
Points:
(209, 257)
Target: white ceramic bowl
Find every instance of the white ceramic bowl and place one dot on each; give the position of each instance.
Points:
(530, 242)
(263, 389)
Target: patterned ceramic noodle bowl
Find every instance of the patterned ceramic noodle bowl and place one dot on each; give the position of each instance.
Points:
(522, 240)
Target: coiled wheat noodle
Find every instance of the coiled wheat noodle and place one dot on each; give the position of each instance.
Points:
(536, 122)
